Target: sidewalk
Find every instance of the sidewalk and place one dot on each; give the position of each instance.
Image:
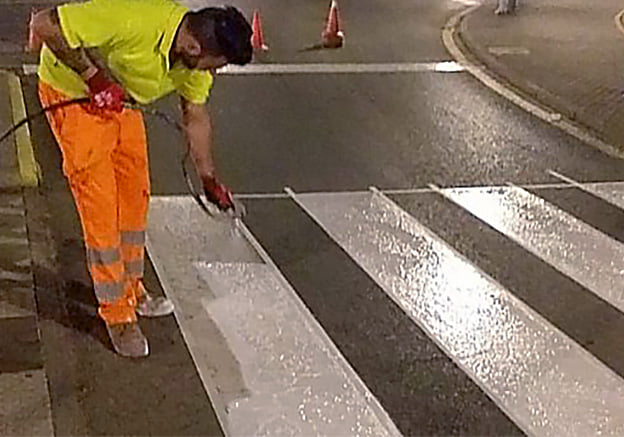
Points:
(24, 399)
(566, 55)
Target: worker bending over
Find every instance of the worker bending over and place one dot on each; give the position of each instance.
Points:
(117, 51)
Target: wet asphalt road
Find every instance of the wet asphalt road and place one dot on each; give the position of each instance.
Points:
(330, 133)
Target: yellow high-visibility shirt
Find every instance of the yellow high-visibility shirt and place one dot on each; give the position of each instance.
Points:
(133, 37)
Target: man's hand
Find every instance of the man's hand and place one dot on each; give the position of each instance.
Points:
(217, 193)
(105, 93)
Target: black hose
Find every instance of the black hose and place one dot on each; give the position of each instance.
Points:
(25, 120)
(187, 154)
(153, 112)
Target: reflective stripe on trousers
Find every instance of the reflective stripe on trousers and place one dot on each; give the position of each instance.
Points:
(105, 162)
(132, 253)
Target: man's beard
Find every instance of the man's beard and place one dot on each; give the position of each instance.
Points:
(190, 61)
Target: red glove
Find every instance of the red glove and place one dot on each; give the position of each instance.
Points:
(218, 193)
(104, 93)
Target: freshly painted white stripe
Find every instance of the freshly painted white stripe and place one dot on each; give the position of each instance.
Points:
(308, 318)
(179, 235)
(543, 380)
(429, 189)
(417, 190)
(347, 68)
(295, 381)
(576, 249)
(508, 50)
(283, 374)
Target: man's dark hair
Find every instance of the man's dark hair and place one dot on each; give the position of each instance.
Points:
(222, 31)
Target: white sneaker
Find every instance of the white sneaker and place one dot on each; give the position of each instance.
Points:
(148, 306)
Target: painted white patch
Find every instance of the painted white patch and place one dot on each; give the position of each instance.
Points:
(297, 384)
(543, 380)
(576, 249)
(448, 67)
(416, 190)
(466, 2)
(508, 50)
(227, 290)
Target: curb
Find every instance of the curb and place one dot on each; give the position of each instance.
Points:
(29, 170)
(618, 21)
(459, 49)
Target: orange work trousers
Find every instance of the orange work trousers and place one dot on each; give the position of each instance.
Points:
(105, 162)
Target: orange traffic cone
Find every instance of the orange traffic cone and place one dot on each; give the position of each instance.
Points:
(333, 36)
(34, 41)
(257, 38)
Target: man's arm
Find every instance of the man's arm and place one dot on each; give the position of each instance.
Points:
(46, 25)
(104, 92)
(198, 130)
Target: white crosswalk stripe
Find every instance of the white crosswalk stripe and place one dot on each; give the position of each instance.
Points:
(578, 250)
(289, 377)
(477, 322)
(296, 380)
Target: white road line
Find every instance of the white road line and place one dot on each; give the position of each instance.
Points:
(546, 114)
(231, 300)
(568, 180)
(467, 2)
(250, 196)
(417, 190)
(544, 381)
(611, 192)
(508, 50)
(350, 68)
(576, 249)
(347, 68)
